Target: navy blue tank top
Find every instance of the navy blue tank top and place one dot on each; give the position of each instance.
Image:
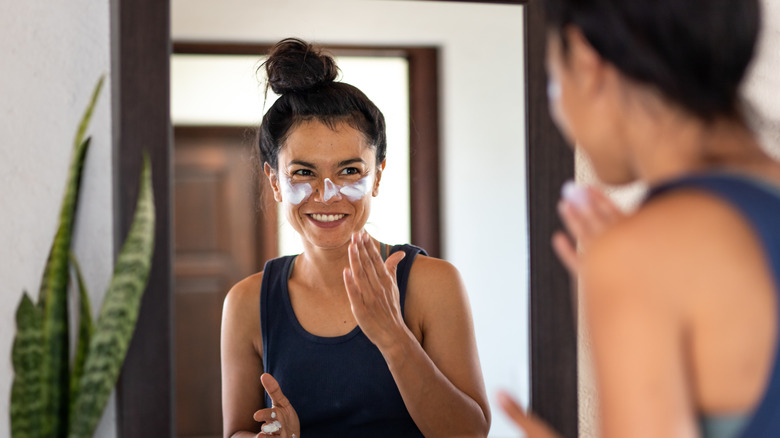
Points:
(339, 386)
(759, 204)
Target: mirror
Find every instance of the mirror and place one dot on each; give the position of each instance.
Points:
(482, 156)
(140, 77)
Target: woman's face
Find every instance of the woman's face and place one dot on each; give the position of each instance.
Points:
(585, 103)
(325, 180)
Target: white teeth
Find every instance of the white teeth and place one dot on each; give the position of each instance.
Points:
(327, 217)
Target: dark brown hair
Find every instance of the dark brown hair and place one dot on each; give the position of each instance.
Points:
(695, 52)
(305, 79)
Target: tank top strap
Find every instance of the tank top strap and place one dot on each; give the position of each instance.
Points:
(759, 203)
(275, 271)
(405, 267)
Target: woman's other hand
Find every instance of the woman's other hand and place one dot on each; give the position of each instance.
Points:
(280, 419)
(586, 212)
(373, 291)
(529, 423)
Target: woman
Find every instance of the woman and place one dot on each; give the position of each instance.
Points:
(681, 297)
(357, 338)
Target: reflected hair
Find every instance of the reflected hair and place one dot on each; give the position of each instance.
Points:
(305, 79)
(695, 52)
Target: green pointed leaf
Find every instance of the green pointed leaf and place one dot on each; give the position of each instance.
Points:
(26, 355)
(86, 328)
(52, 297)
(118, 315)
(88, 113)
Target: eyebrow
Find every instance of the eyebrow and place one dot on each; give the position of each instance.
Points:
(351, 161)
(301, 163)
(340, 164)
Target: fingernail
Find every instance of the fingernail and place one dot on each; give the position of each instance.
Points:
(574, 193)
(273, 414)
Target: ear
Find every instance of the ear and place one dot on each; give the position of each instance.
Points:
(379, 169)
(273, 179)
(590, 69)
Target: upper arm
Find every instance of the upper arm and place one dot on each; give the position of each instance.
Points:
(638, 336)
(437, 291)
(241, 357)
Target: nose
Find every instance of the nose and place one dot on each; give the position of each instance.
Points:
(330, 191)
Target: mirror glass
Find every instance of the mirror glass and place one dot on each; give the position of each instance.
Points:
(482, 159)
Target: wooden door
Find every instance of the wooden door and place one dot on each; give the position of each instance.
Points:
(222, 233)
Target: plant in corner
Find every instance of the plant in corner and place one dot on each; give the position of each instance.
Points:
(51, 397)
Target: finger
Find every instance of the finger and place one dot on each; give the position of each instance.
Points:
(372, 262)
(582, 219)
(531, 425)
(274, 391)
(604, 206)
(391, 264)
(356, 265)
(572, 218)
(266, 415)
(353, 291)
(566, 251)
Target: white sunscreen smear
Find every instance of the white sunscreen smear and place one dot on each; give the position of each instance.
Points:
(553, 90)
(295, 193)
(575, 194)
(358, 189)
(271, 427)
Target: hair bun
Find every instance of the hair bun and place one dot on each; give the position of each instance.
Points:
(295, 65)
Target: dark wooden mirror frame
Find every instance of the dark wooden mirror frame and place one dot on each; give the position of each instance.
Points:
(140, 76)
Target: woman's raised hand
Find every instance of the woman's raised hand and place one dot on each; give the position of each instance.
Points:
(373, 291)
(586, 212)
(529, 423)
(280, 419)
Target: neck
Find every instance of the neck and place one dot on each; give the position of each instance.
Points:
(322, 268)
(669, 145)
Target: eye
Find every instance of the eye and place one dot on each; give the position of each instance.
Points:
(303, 172)
(351, 171)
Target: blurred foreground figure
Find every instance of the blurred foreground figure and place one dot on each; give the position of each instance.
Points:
(681, 297)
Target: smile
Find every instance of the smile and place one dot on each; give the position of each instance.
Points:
(327, 217)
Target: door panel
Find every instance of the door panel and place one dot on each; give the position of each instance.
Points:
(221, 236)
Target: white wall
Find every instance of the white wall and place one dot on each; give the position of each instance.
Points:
(52, 55)
(483, 136)
(761, 90)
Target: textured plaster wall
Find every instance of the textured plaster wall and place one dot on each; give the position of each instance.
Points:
(51, 55)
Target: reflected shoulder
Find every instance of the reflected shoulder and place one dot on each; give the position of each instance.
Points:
(245, 294)
(430, 270)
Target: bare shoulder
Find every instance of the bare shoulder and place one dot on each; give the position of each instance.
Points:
(244, 294)
(430, 271)
(435, 292)
(434, 282)
(241, 313)
(686, 234)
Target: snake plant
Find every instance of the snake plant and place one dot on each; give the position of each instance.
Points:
(50, 396)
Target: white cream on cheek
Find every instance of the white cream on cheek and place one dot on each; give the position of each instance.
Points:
(554, 98)
(295, 193)
(359, 189)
